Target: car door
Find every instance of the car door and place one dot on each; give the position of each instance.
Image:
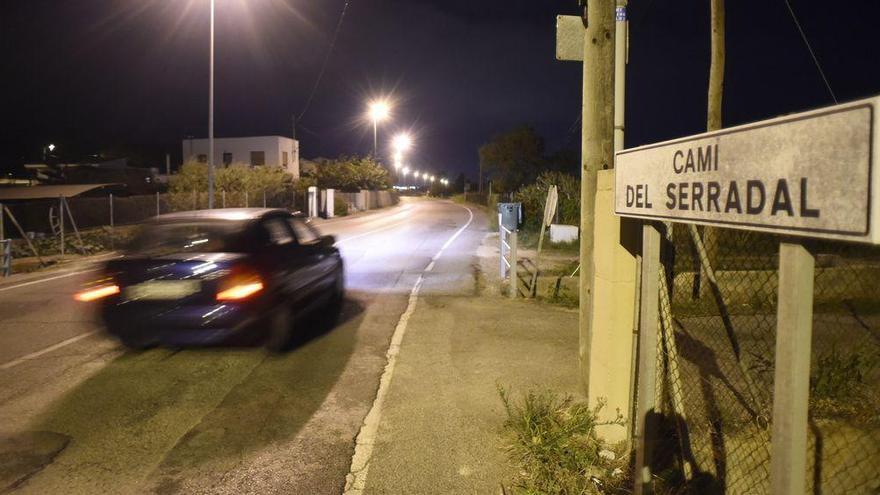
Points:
(282, 258)
(309, 240)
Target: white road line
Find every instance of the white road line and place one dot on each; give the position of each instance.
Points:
(356, 480)
(49, 279)
(34, 355)
(347, 239)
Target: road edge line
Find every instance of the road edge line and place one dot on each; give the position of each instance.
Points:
(356, 479)
(47, 350)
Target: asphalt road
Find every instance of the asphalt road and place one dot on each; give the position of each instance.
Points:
(78, 414)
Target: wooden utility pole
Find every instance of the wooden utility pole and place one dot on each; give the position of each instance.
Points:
(597, 150)
(713, 123)
(716, 67)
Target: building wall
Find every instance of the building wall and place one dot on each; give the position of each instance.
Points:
(238, 150)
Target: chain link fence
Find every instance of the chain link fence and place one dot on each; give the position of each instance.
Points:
(715, 366)
(41, 216)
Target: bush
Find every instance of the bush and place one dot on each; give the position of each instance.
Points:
(553, 442)
(340, 207)
(188, 188)
(839, 387)
(351, 174)
(534, 196)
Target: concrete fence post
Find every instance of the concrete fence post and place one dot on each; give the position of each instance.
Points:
(791, 380)
(223, 198)
(111, 210)
(330, 203)
(313, 202)
(61, 221)
(158, 207)
(247, 199)
(264, 198)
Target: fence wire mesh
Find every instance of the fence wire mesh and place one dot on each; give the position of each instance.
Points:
(716, 362)
(844, 411)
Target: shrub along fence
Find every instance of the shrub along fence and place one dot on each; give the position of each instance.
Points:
(41, 216)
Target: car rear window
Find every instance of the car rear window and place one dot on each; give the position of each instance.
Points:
(193, 237)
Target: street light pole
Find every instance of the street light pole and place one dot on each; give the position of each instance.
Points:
(375, 138)
(211, 117)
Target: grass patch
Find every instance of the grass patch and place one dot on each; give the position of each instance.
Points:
(553, 443)
(563, 296)
(840, 388)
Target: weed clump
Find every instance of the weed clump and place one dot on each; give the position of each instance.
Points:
(553, 442)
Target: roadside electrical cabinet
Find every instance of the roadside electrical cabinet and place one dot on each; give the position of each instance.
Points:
(510, 215)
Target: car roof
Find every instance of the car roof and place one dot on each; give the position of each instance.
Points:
(228, 214)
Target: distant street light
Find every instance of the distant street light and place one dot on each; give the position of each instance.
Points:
(46, 150)
(379, 110)
(402, 142)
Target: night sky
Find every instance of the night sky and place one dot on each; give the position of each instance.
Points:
(125, 76)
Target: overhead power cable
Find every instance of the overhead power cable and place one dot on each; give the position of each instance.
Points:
(810, 49)
(326, 61)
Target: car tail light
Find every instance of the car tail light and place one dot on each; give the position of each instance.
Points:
(95, 293)
(240, 285)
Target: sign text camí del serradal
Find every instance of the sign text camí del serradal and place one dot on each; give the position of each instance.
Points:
(807, 174)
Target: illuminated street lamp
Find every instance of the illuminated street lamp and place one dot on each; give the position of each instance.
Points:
(47, 150)
(402, 142)
(379, 110)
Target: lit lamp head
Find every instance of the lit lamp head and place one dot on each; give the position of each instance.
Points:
(401, 142)
(379, 110)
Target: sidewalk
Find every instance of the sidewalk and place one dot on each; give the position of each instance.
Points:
(440, 430)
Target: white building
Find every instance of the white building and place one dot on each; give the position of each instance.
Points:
(276, 151)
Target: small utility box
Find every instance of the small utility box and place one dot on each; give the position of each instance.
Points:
(510, 215)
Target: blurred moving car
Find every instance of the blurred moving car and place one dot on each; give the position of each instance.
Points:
(227, 276)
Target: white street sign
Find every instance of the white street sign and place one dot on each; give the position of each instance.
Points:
(570, 32)
(808, 174)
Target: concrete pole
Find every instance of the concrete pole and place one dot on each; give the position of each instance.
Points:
(596, 151)
(211, 117)
(264, 198)
(111, 210)
(167, 164)
(223, 196)
(791, 380)
(649, 321)
(158, 208)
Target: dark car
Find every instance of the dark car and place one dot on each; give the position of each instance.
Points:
(229, 276)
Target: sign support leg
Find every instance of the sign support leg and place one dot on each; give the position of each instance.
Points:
(649, 322)
(791, 381)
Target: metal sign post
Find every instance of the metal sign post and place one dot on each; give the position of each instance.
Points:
(550, 206)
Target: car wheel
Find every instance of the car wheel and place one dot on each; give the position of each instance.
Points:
(338, 296)
(280, 329)
(134, 344)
